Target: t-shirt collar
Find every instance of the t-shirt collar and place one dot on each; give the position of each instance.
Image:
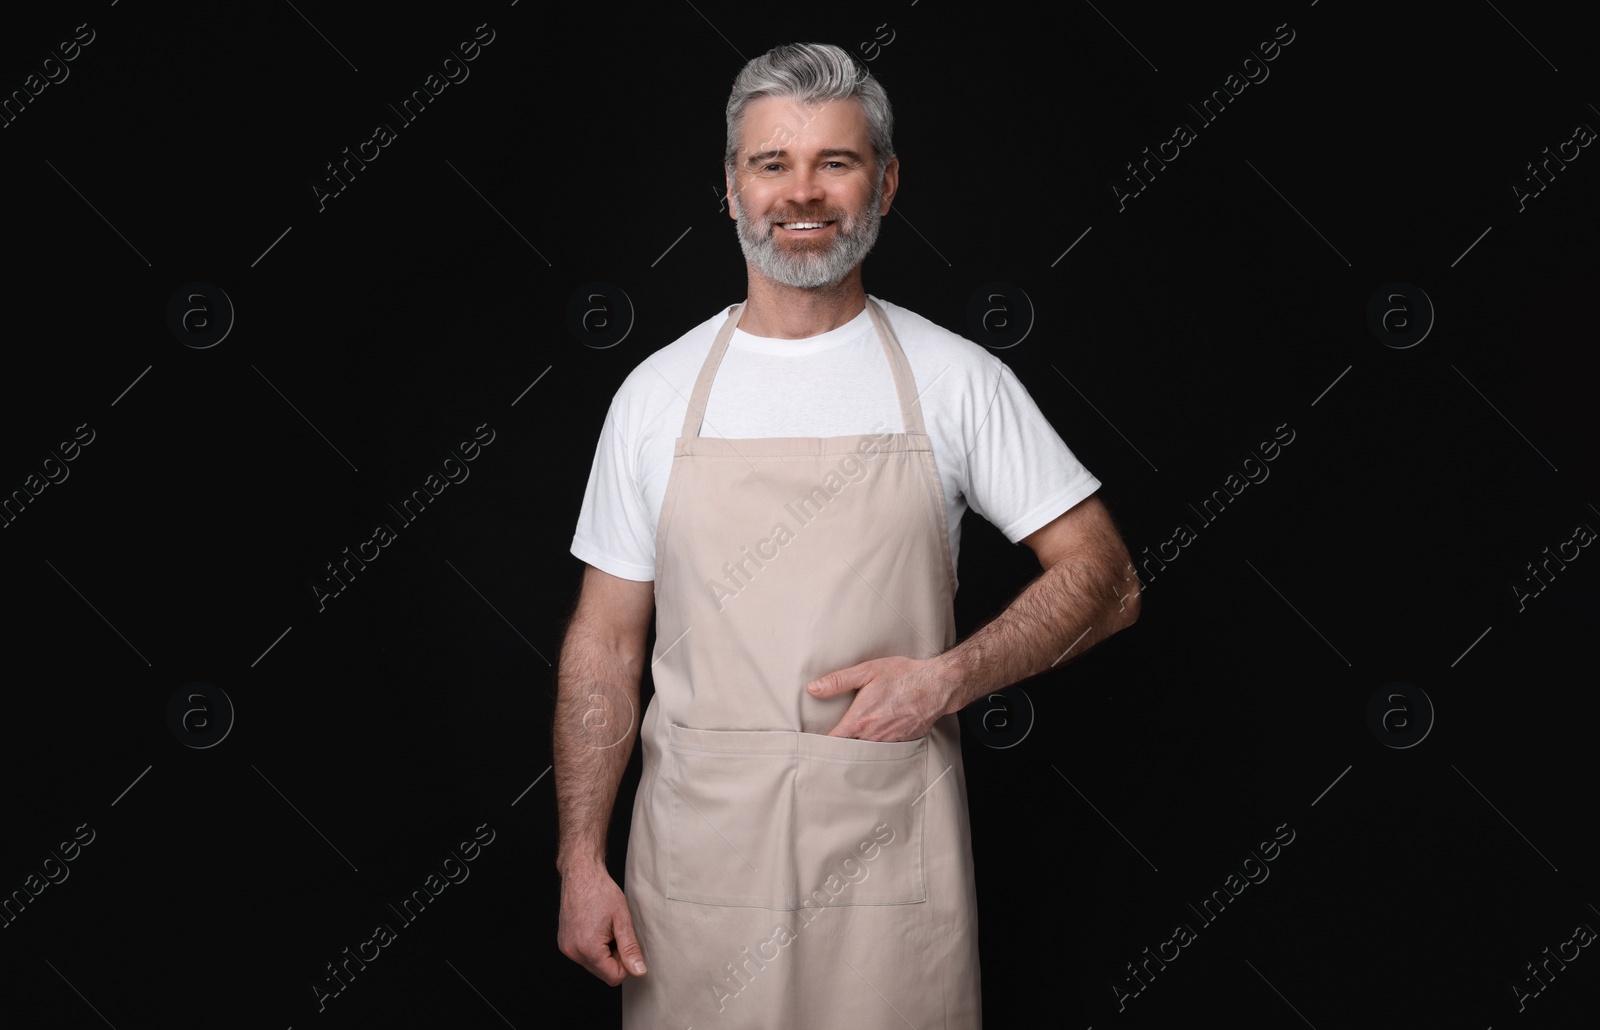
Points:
(836, 337)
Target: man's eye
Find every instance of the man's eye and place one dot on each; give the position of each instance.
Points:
(770, 167)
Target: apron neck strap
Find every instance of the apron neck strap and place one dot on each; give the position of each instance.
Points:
(905, 385)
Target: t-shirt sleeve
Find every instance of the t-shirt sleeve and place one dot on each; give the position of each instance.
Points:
(1020, 473)
(613, 531)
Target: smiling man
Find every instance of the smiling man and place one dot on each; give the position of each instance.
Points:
(786, 238)
(781, 490)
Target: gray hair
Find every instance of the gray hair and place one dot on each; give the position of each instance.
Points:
(811, 73)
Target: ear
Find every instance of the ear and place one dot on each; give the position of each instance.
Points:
(727, 177)
(891, 183)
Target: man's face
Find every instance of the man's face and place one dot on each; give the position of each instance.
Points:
(807, 192)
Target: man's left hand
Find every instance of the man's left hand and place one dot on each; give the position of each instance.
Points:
(896, 698)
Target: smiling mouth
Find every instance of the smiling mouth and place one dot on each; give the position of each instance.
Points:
(804, 226)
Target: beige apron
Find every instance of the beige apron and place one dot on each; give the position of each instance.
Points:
(779, 877)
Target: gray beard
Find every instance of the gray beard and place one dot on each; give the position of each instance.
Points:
(811, 270)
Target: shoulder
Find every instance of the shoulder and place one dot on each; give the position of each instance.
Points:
(953, 369)
(925, 340)
(668, 371)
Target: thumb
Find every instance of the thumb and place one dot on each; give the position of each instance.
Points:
(835, 683)
(628, 947)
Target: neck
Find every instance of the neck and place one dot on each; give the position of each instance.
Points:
(795, 313)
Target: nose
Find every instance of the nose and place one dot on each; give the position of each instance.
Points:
(806, 186)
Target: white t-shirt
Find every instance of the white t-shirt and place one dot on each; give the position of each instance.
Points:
(995, 451)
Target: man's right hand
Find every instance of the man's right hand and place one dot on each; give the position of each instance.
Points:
(596, 928)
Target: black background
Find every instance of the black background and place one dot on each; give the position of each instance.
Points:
(1227, 300)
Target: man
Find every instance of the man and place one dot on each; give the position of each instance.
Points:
(800, 853)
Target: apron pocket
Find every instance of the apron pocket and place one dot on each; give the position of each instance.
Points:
(729, 800)
(782, 820)
(860, 813)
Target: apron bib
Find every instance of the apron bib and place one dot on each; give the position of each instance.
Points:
(779, 877)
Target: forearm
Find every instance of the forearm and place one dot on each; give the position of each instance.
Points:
(1073, 605)
(596, 722)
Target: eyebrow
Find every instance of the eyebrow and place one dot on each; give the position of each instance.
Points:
(767, 155)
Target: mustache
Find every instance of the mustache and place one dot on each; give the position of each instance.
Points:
(806, 216)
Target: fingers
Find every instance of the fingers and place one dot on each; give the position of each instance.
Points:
(835, 683)
(598, 960)
(599, 936)
(628, 950)
(612, 966)
(848, 724)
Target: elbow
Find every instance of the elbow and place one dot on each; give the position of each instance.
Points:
(1123, 613)
(1129, 612)
(1127, 590)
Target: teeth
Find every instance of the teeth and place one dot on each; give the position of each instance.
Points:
(803, 225)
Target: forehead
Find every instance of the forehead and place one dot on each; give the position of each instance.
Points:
(783, 123)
